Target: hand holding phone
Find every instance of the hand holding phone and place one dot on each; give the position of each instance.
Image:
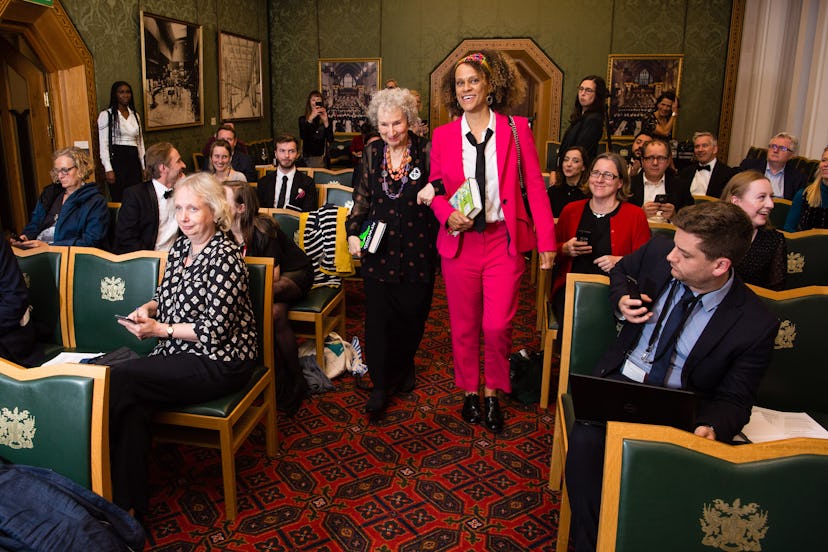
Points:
(583, 235)
(125, 319)
(661, 198)
(634, 292)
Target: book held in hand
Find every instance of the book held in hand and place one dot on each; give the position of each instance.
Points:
(371, 235)
(466, 198)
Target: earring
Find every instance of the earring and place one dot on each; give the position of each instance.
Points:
(489, 99)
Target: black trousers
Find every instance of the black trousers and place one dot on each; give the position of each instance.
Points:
(584, 478)
(395, 317)
(127, 167)
(140, 387)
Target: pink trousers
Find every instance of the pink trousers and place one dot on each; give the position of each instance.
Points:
(482, 284)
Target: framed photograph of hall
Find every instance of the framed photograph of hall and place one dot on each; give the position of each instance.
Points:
(240, 77)
(635, 81)
(171, 64)
(347, 86)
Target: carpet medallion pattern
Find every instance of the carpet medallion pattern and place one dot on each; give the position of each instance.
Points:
(420, 479)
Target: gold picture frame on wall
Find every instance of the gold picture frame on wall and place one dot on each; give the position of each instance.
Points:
(240, 77)
(635, 81)
(171, 70)
(347, 86)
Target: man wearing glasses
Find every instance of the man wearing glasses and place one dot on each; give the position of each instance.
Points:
(655, 189)
(784, 177)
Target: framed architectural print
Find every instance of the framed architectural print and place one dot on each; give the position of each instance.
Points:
(635, 81)
(240, 77)
(171, 63)
(347, 86)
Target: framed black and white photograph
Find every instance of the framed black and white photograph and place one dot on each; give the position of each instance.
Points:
(635, 82)
(240, 77)
(171, 59)
(347, 86)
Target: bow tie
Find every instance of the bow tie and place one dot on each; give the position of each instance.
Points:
(168, 193)
(703, 168)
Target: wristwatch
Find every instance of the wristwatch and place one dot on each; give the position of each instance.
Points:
(170, 331)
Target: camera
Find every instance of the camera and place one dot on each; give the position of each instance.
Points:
(318, 103)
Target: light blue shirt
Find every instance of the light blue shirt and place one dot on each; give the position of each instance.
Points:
(777, 181)
(695, 324)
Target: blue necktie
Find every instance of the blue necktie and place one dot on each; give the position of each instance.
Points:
(669, 336)
(480, 176)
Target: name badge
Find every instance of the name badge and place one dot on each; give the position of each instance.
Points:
(633, 372)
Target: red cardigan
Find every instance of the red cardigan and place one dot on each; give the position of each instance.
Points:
(628, 231)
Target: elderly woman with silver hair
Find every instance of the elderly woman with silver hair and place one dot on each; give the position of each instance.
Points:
(399, 276)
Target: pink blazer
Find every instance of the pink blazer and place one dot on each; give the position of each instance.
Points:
(447, 164)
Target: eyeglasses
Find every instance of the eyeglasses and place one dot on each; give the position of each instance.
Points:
(598, 175)
(585, 89)
(659, 158)
(63, 171)
(777, 147)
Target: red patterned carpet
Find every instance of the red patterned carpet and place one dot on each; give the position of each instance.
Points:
(421, 479)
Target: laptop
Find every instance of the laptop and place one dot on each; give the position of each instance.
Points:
(599, 400)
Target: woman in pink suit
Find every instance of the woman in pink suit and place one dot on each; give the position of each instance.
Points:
(482, 258)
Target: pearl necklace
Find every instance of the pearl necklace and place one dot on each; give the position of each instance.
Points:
(602, 215)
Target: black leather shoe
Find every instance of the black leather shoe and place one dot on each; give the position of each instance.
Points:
(471, 409)
(377, 403)
(493, 417)
(407, 383)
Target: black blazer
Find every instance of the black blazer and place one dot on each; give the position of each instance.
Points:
(137, 225)
(731, 354)
(794, 179)
(302, 186)
(719, 177)
(678, 193)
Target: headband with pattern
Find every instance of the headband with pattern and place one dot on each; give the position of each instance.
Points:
(477, 57)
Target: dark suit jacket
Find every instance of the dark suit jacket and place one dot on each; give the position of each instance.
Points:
(731, 354)
(137, 226)
(678, 193)
(302, 186)
(719, 177)
(794, 179)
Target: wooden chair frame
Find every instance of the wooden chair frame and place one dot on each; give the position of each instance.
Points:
(62, 282)
(99, 451)
(323, 189)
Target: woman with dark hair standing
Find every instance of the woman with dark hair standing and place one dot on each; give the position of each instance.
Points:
(586, 123)
(121, 141)
(482, 258)
(660, 122)
(316, 131)
(570, 179)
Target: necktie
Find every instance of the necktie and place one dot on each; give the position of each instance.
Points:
(703, 168)
(168, 193)
(282, 192)
(480, 176)
(669, 336)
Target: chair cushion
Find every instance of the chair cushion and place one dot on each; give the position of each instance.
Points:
(223, 406)
(316, 300)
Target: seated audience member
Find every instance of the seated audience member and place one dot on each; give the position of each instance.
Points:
(316, 131)
(569, 181)
(240, 161)
(636, 151)
(656, 180)
(766, 262)
(146, 220)
(716, 340)
(260, 236)
(68, 212)
(287, 187)
(611, 227)
(203, 318)
(809, 208)
(660, 123)
(240, 145)
(17, 331)
(707, 176)
(221, 152)
(784, 177)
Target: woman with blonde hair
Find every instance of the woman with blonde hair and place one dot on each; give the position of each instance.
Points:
(809, 207)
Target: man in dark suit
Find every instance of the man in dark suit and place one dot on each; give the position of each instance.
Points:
(708, 176)
(287, 187)
(785, 179)
(146, 220)
(655, 180)
(719, 348)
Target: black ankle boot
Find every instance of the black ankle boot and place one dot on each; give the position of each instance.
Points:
(377, 402)
(493, 417)
(471, 409)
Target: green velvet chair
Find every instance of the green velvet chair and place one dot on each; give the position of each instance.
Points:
(781, 206)
(57, 417)
(337, 194)
(796, 380)
(102, 285)
(662, 228)
(226, 423)
(45, 271)
(552, 155)
(326, 176)
(807, 258)
(667, 489)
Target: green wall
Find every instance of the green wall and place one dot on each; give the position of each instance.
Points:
(110, 29)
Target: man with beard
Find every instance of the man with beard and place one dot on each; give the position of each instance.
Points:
(287, 187)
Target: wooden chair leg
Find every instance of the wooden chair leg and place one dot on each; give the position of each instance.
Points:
(546, 377)
(557, 460)
(228, 474)
(564, 521)
(319, 331)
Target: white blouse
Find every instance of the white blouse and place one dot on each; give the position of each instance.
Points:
(128, 133)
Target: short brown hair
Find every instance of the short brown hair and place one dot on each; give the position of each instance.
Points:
(623, 173)
(724, 229)
(157, 154)
(284, 138)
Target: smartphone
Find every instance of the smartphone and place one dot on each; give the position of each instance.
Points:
(14, 236)
(583, 236)
(661, 198)
(125, 319)
(634, 292)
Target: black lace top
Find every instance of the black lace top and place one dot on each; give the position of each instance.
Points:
(766, 262)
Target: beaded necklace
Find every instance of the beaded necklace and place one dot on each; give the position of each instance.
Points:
(399, 174)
